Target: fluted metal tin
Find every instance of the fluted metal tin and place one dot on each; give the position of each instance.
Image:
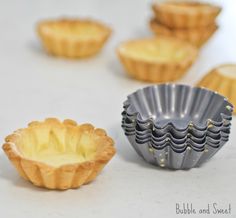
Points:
(176, 126)
(171, 158)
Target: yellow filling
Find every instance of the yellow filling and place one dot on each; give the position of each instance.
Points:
(228, 71)
(58, 146)
(155, 50)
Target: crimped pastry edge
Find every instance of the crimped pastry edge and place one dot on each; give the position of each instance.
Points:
(157, 71)
(65, 176)
(196, 36)
(216, 81)
(72, 48)
(185, 18)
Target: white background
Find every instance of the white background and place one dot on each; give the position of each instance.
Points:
(34, 85)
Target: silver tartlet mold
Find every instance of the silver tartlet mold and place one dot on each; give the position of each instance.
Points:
(176, 126)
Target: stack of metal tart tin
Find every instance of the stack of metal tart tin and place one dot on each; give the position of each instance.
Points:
(176, 126)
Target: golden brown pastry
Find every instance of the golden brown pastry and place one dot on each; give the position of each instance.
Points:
(161, 59)
(185, 14)
(59, 155)
(222, 79)
(73, 38)
(197, 36)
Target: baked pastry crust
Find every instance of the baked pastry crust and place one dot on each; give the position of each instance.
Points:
(28, 149)
(161, 59)
(73, 38)
(222, 79)
(197, 36)
(185, 14)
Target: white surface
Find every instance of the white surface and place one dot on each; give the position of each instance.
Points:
(34, 86)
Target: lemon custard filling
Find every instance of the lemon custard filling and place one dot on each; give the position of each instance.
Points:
(154, 50)
(57, 146)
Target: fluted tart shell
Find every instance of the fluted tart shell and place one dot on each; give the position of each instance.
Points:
(196, 36)
(59, 155)
(73, 38)
(160, 59)
(185, 14)
(222, 79)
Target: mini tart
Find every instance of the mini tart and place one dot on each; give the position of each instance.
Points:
(161, 59)
(196, 36)
(222, 79)
(59, 155)
(73, 38)
(185, 14)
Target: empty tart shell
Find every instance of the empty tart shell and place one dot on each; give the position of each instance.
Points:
(197, 36)
(222, 79)
(161, 59)
(73, 38)
(59, 155)
(185, 14)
